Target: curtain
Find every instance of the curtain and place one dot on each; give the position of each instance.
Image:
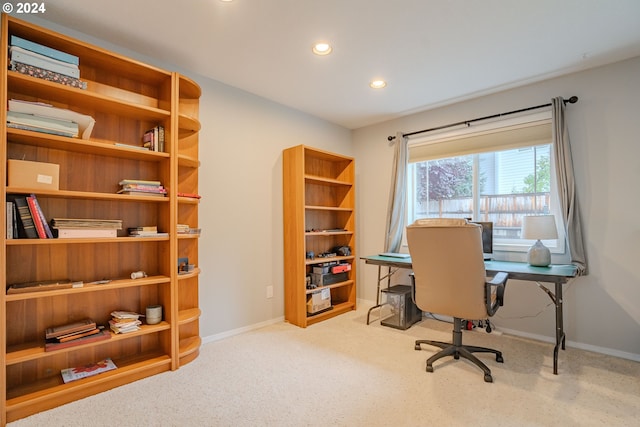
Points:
(566, 186)
(396, 217)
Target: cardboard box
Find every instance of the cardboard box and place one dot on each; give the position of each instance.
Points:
(319, 301)
(25, 174)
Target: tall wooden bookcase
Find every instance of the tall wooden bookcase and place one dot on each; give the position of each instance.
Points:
(126, 97)
(319, 215)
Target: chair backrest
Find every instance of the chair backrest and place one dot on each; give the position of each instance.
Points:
(448, 267)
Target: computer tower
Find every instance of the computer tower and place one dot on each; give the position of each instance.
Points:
(398, 310)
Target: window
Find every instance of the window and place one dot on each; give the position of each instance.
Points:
(496, 172)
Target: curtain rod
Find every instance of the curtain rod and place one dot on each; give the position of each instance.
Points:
(571, 100)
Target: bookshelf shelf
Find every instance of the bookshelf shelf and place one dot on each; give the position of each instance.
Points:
(126, 98)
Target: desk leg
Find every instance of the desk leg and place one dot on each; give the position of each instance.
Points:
(390, 273)
(560, 336)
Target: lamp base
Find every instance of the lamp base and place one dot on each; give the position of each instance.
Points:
(539, 255)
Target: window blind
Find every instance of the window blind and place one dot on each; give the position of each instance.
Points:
(525, 131)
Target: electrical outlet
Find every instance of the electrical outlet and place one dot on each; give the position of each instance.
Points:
(269, 291)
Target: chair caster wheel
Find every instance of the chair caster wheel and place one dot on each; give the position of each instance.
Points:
(418, 347)
(499, 358)
(429, 368)
(488, 378)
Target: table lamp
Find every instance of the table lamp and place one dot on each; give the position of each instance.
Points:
(539, 227)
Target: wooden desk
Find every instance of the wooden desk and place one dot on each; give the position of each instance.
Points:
(558, 274)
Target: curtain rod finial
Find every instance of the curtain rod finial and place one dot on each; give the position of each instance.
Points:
(573, 99)
(391, 138)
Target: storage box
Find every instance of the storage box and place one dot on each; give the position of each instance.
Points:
(25, 174)
(398, 310)
(328, 279)
(319, 301)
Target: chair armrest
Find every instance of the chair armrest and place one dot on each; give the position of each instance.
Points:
(499, 281)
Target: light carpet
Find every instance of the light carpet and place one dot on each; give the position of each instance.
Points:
(342, 372)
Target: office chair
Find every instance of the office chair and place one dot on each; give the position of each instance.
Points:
(449, 278)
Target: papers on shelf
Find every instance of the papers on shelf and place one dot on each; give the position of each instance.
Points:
(48, 112)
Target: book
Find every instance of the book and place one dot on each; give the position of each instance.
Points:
(37, 220)
(51, 76)
(44, 50)
(84, 122)
(73, 374)
(27, 228)
(40, 122)
(68, 328)
(39, 286)
(78, 335)
(25, 56)
(52, 345)
(10, 219)
(139, 182)
(86, 232)
(39, 129)
(59, 223)
(47, 229)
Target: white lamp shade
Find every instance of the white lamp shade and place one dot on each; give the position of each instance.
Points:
(539, 227)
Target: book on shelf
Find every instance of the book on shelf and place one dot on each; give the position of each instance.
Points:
(40, 286)
(44, 50)
(146, 231)
(84, 122)
(135, 147)
(12, 221)
(190, 195)
(86, 233)
(45, 224)
(79, 372)
(139, 182)
(25, 56)
(123, 322)
(51, 76)
(153, 139)
(26, 226)
(59, 223)
(53, 345)
(69, 328)
(62, 127)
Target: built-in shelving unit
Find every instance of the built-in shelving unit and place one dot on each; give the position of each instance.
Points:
(126, 97)
(319, 215)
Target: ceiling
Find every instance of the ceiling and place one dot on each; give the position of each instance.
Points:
(431, 52)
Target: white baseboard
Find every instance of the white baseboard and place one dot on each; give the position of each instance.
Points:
(227, 334)
(575, 344)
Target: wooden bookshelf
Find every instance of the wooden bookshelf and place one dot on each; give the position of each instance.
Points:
(126, 98)
(319, 214)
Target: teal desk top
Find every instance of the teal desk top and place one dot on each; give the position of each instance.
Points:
(516, 270)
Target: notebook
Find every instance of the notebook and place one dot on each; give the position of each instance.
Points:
(395, 255)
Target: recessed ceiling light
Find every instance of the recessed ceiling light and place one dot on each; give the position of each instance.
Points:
(377, 84)
(322, 48)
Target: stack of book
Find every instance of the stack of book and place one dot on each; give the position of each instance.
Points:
(25, 218)
(72, 334)
(153, 139)
(123, 322)
(74, 228)
(45, 118)
(44, 62)
(146, 231)
(138, 187)
(185, 229)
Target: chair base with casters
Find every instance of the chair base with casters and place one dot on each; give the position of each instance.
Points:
(457, 350)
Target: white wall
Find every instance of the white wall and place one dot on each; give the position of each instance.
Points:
(602, 310)
(241, 248)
